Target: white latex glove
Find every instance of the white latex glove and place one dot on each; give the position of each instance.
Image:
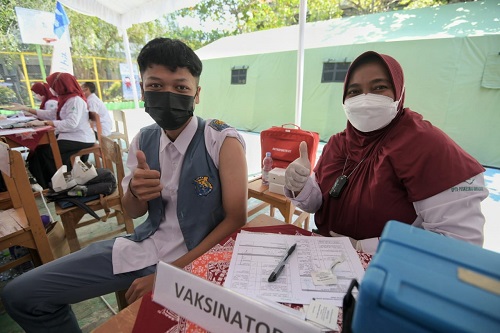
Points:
(298, 171)
(35, 123)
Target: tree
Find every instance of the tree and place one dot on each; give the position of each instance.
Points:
(92, 36)
(241, 16)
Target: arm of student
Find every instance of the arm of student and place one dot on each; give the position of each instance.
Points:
(77, 107)
(455, 212)
(234, 183)
(141, 184)
(47, 114)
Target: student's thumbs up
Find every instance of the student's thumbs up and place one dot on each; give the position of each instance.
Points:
(141, 160)
(298, 171)
(145, 183)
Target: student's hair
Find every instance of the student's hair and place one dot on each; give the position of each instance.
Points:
(90, 85)
(171, 53)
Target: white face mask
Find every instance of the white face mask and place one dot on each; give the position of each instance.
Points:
(370, 112)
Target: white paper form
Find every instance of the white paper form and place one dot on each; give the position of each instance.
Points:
(255, 256)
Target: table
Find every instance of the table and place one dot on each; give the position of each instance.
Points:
(124, 321)
(261, 192)
(41, 135)
(214, 264)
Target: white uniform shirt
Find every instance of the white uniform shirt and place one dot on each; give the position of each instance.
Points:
(74, 124)
(455, 212)
(167, 243)
(96, 105)
(50, 111)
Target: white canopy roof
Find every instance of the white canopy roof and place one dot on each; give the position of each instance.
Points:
(124, 13)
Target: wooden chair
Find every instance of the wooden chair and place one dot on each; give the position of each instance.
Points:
(120, 132)
(20, 224)
(95, 122)
(72, 217)
(274, 200)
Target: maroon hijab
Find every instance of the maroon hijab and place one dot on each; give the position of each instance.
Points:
(406, 161)
(42, 89)
(66, 86)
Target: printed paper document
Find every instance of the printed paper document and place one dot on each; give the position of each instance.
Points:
(255, 255)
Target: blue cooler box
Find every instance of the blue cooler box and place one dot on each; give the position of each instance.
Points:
(420, 281)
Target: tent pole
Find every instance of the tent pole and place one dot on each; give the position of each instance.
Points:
(300, 62)
(130, 66)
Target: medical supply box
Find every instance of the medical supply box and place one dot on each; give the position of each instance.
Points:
(277, 176)
(420, 281)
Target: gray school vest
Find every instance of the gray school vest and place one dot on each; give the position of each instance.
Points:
(199, 201)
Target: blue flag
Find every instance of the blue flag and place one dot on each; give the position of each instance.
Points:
(61, 21)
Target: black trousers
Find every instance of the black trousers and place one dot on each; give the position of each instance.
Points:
(41, 161)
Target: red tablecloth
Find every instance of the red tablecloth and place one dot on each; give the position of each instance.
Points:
(29, 139)
(212, 266)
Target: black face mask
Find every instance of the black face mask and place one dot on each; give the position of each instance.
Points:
(170, 111)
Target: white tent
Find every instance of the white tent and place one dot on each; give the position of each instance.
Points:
(124, 13)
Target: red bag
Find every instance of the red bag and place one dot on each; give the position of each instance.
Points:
(283, 143)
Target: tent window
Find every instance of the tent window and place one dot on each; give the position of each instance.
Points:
(239, 76)
(334, 71)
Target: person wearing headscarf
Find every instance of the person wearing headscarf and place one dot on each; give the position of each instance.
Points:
(388, 164)
(48, 103)
(72, 127)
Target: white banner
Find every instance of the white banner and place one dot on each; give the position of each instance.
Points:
(61, 57)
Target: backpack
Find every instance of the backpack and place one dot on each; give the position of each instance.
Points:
(101, 185)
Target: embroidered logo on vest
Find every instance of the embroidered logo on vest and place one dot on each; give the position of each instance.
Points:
(218, 125)
(202, 185)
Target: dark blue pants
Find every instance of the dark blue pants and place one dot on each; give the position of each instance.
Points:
(39, 300)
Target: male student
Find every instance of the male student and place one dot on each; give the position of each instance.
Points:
(189, 175)
(96, 105)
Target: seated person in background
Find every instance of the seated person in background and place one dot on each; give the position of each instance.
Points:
(189, 175)
(393, 166)
(71, 124)
(96, 105)
(48, 103)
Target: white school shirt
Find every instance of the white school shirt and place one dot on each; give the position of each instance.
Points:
(455, 212)
(50, 111)
(167, 243)
(74, 124)
(96, 105)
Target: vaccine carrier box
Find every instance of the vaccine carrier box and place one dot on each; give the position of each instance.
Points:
(420, 281)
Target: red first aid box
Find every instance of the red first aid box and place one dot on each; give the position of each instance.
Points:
(283, 143)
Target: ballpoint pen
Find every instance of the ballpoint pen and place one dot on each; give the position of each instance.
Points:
(281, 264)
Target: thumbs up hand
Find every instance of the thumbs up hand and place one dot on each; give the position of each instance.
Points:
(145, 183)
(298, 171)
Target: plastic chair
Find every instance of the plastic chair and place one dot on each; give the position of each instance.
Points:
(72, 217)
(120, 132)
(21, 223)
